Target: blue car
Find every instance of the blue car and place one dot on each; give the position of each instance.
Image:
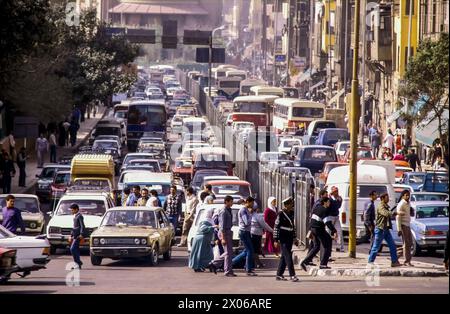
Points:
(435, 182)
(429, 226)
(314, 157)
(414, 179)
(330, 137)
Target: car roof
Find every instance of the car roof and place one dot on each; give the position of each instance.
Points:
(162, 177)
(83, 195)
(56, 165)
(429, 193)
(231, 182)
(425, 203)
(105, 140)
(16, 195)
(318, 147)
(134, 161)
(130, 208)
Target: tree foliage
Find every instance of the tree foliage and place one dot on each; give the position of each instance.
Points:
(427, 78)
(69, 65)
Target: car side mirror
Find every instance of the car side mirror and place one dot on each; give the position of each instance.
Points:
(49, 214)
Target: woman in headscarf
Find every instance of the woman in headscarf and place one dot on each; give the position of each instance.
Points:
(202, 251)
(270, 215)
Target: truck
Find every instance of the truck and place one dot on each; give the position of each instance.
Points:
(92, 172)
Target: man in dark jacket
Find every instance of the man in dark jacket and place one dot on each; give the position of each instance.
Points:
(369, 217)
(77, 234)
(21, 163)
(284, 235)
(319, 219)
(8, 172)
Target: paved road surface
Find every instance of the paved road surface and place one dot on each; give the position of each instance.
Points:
(175, 277)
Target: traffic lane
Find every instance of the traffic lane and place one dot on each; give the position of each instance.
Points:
(436, 258)
(175, 277)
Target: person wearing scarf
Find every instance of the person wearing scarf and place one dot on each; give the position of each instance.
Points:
(270, 215)
(202, 252)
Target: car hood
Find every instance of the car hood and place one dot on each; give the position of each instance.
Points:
(24, 242)
(66, 221)
(32, 216)
(113, 231)
(440, 224)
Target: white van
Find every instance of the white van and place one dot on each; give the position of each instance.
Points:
(375, 176)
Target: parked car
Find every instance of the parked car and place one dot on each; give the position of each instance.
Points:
(314, 157)
(362, 153)
(428, 196)
(429, 226)
(413, 179)
(45, 179)
(33, 253)
(7, 263)
(133, 232)
(435, 182)
(92, 205)
(341, 148)
(331, 136)
(217, 206)
(30, 209)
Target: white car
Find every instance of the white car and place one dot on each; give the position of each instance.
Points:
(341, 148)
(177, 123)
(242, 125)
(33, 253)
(30, 209)
(200, 213)
(93, 206)
(106, 145)
(286, 144)
(133, 156)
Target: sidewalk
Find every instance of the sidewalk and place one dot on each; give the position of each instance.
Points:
(31, 168)
(357, 267)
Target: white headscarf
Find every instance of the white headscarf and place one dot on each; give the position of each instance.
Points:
(269, 204)
(208, 216)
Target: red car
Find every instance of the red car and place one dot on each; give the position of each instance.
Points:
(7, 263)
(59, 186)
(362, 153)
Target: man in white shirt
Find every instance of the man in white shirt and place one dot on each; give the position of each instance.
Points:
(389, 140)
(189, 214)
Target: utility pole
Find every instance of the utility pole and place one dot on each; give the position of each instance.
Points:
(330, 78)
(363, 96)
(289, 34)
(264, 37)
(311, 42)
(275, 46)
(346, 47)
(354, 117)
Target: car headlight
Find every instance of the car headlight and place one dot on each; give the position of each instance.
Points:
(55, 230)
(144, 241)
(33, 225)
(137, 241)
(95, 241)
(102, 241)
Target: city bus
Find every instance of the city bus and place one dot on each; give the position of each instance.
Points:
(249, 83)
(166, 69)
(237, 73)
(289, 113)
(256, 104)
(145, 116)
(229, 87)
(261, 90)
(221, 70)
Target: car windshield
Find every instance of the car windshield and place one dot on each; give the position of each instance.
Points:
(162, 189)
(428, 197)
(364, 154)
(432, 211)
(105, 145)
(146, 114)
(307, 112)
(120, 115)
(437, 178)
(416, 178)
(337, 135)
(343, 147)
(291, 143)
(87, 207)
(107, 131)
(130, 158)
(62, 178)
(49, 172)
(25, 204)
(198, 178)
(186, 112)
(364, 190)
(232, 189)
(135, 218)
(93, 183)
(317, 154)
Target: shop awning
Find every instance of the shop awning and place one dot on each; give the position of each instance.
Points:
(395, 115)
(426, 132)
(166, 9)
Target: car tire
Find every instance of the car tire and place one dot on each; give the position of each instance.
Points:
(154, 256)
(96, 260)
(53, 249)
(168, 255)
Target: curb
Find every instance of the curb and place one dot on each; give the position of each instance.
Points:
(316, 272)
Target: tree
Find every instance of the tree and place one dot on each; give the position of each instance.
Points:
(426, 78)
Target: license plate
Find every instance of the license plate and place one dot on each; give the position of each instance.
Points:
(123, 252)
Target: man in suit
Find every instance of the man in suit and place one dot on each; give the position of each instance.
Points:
(76, 235)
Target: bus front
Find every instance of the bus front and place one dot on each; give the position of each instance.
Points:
(145, 117)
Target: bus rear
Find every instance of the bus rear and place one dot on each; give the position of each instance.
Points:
(229, 87)
(145, 117)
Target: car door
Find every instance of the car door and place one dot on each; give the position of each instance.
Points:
(164, 231)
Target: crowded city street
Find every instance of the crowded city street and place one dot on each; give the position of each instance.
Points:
(237, 157)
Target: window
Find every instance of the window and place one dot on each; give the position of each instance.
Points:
(26, 204)
(87, 207)
(432, 212)
(307, 112)
(364, 190)
(134, 218)
(319, 155)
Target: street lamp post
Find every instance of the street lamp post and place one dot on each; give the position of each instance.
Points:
(210, 57)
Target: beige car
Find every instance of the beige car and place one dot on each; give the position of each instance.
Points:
(133, 232)
(30, 209)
